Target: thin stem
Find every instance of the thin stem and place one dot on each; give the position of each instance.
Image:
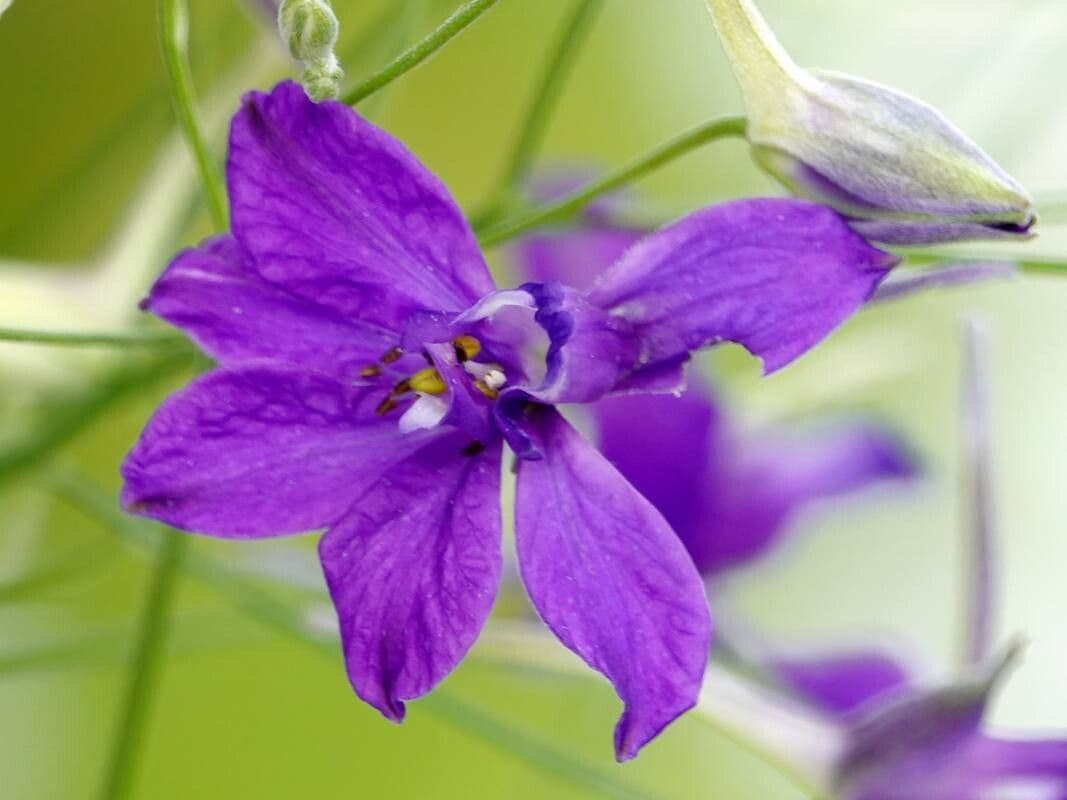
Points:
(978, 587)
(173, 36)
(573, 203)
(68, 339)
(1033, 265)
(420, 51)
(149, 648)
(539, 113)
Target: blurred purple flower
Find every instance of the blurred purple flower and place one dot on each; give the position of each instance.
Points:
(906, 743)
(369, 372)
(728, 494)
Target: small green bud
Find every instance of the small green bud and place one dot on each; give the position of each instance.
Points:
(894, 165)
(309, 29)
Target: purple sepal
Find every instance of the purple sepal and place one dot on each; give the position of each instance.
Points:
(339, 212)
(260, 449)
(608, 576)
(413, 568)
(214, 294)
(773, 275)
(730, 494)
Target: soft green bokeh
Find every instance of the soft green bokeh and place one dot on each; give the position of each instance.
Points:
(243, 712)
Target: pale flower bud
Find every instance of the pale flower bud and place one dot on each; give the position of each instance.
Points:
(310, 28)
(894, 165)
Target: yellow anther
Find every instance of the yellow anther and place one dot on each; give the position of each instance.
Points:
(427, 381)
(467, 347)
(391, 355)
(370, 371)
(488, 391)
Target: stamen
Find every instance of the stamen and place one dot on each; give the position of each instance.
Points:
(391, 355)
(387, 405)
(370, 371)
(487, 390)
(467, 347)
(427, 381)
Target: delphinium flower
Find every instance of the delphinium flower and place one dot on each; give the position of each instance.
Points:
(904, 741)
(728, 493)
(893, 164)
(369, 373)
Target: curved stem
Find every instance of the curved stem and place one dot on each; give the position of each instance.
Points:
(144, 667)
(574, 202)
(67, 339)
(420, 51)
(1032, 265)
(535, 122)
(173, 37)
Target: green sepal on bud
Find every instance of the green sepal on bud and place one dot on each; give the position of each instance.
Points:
(309, 29)
(894, 165)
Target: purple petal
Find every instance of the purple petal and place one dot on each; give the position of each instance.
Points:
(727, 495)
(840, 684)
(214, 294)
(905, 748)
(413, 569)
(340, 212)
(661, 443)
(609, 577)
(468, 409)
(258, 450)
(774, 275)
(756, 483)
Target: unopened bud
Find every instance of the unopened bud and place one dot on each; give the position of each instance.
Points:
(310, 28)
(894, 165)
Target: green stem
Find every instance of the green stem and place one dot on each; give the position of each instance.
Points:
(420, 51)
(67, 339)
(173, 36)
(544, 100)
(571, 204)
(144, 670)
(1033, 265)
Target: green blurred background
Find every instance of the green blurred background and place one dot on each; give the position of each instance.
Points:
(96, 191)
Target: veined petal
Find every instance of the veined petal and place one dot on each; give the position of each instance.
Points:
(213, 293)
(612, 581)
(774, 275)
(260, 449)
(413, 569)
(340, 212)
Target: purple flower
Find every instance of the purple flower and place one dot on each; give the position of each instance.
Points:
(369, 372)
(727, 493)
(907, 743)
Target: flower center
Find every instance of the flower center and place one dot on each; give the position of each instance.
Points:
(429, 385)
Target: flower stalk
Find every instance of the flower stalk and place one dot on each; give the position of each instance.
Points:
(420, 51)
